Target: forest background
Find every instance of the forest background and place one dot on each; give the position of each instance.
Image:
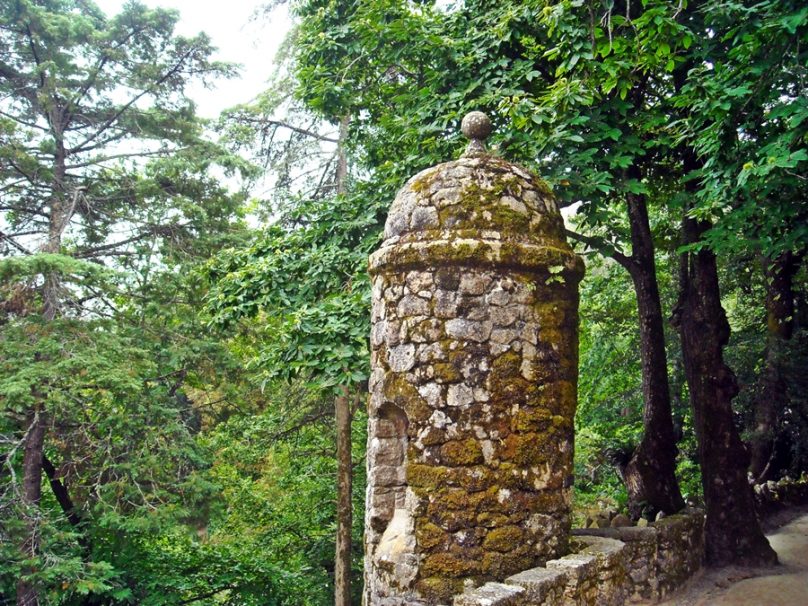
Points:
(183, 361)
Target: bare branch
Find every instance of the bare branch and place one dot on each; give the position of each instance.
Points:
(105, 248)
(130, 103)
(16, 245)
(292, 127)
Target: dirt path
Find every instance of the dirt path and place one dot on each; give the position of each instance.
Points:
(783, 585)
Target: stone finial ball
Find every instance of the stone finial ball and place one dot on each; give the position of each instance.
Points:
(476, 125)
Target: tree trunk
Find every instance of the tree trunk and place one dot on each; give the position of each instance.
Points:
(772, 396)
(60, 215)
(732, 534)
(341, 175)
(650, 475)
(342, 410)
(342, 561)
(27, 594)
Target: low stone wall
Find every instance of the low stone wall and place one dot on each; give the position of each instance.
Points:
(772, 497)
(609, 567)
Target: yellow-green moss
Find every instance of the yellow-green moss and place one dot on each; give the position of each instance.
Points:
(398, 390)
(481, 253)
(506, 364)
(505, 382)
(438, 589)
(490, 502)
(422, 184)
(499, 565)
(506, 220)
(456, 498)
(451, 520)
(445, 372)
(426, 478)
(532, 419)
(505, 538)
(429, 535)
(462, 452)
(558, 398)
(433, 437)
(450, 565)
(526, 449)
(489, 519)
(477, 478)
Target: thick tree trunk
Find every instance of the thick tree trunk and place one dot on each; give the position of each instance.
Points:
(773, 396)
(342, 562)
(650, 475)
(732, 534)
(27, 594)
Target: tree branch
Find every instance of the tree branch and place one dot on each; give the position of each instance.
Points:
(602, 247)
(131, 102)
(292, 127)
(11, 241)
(60, 492)
(105, 248)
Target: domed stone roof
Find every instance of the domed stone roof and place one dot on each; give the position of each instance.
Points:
(479, 209)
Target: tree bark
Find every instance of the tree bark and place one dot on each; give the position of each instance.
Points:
(61, 212)
(60, 215)
(650, 475)
(772, 395)
(342, 561)
(732, 533)
(27, 594)
(342, 411)
(60, 493)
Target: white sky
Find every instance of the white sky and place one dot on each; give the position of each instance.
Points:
(251, 43)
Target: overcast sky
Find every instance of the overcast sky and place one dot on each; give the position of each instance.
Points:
(252, 43)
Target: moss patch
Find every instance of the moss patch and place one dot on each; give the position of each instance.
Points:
(429, 535)
(504, 538)
(462, 452)
(489, 519)
(526, 449)
(499, 565)
(439, 589)
(422, 183)
(529, 419)
(456, 499)
(446, 372)
(426, 478)
(450, 565)
(400, 391)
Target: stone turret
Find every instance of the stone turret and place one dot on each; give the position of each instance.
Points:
(474, 377)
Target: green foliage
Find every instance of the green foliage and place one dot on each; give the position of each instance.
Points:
(77, 270)
(277, 474)
(306, 276)
(748, 105)
(108, 205)
(120, 440)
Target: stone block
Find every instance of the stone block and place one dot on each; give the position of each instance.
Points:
(542, 586)
(578, 567)
(492, 594)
